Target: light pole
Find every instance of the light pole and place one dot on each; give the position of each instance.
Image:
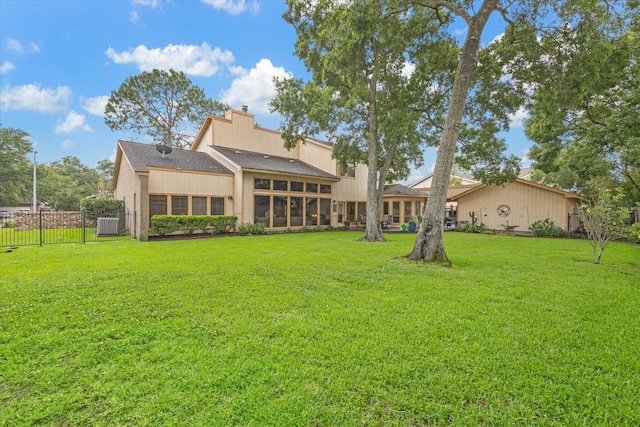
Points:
(35, 210)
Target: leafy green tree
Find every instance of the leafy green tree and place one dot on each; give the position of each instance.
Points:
(584, 119)
(519, 60)
(429, 245)
(58, 191)
(15, 167)
(604, 219)
(83, 176)
(165, 105)
(365, 96)
(105, 168)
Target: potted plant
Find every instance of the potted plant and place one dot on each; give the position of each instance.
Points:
(412, 225)
(403, 227)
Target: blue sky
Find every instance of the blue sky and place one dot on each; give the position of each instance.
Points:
(59, 61)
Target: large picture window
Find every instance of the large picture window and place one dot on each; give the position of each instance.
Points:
(280, 211)
(295, 211)
(280, 185)
(312, 211)
(261, 210)
(217, 206)
(179, 205)
(157, 205)
(262, 184)
(348, 171)
(198, 206)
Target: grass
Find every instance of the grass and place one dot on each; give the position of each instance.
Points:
(317, 329)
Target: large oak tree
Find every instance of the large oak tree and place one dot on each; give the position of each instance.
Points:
(523, 25)
(365, 95)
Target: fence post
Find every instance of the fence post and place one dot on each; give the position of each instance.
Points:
(41, 224)
(84, 228)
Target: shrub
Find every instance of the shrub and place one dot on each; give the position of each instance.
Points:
(95, 208)
(215, 224)
(634, 233)
(547, 228)
(248, 229)
(472, 228)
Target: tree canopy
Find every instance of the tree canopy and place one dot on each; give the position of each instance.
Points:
(164, 105)
(15, 167)
(364, 96)
(521, 61)
(585, 118)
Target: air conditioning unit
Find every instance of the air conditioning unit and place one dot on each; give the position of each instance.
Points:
(108, 226)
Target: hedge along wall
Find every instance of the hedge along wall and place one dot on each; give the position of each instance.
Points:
(214, 224)
(50, 220)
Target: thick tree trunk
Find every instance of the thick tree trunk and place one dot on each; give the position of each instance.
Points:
(375, 184)
(429, 246)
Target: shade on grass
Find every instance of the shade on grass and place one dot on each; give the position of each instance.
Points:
(317, 329)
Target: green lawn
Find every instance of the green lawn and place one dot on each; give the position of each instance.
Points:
(317, 329)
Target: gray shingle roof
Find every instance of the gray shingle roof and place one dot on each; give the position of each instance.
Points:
(143, 156)
(401, 190)
(268, 163)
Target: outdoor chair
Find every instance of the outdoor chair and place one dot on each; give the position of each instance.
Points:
(386, 220)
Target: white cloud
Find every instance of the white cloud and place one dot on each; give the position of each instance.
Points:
(6, 67)
(95, 105)
(526, 160)
(517, 118)
(16, 45)
(67, 143)
(414, 176)
(73, 122)
(191, 59)
(497, 38)
(255, 88)
(408, 69)
(133, 16)
(234, 7)
(152, 3)
(34, 98)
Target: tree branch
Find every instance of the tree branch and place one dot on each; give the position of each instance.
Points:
(454, 9)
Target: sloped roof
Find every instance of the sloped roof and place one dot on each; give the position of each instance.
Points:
(249, 160)
(143, 156)
(567, 194)
(403, 190)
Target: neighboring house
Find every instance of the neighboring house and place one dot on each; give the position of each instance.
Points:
(517, 205)
(456, 180)
(237, 168)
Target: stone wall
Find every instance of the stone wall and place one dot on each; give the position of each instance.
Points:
(50, 220)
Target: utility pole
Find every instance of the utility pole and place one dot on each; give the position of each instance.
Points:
(35, 209)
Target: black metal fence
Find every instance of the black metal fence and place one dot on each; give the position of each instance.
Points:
(48, 227)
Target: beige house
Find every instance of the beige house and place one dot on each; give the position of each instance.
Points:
(516, 205)
(237, 168)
